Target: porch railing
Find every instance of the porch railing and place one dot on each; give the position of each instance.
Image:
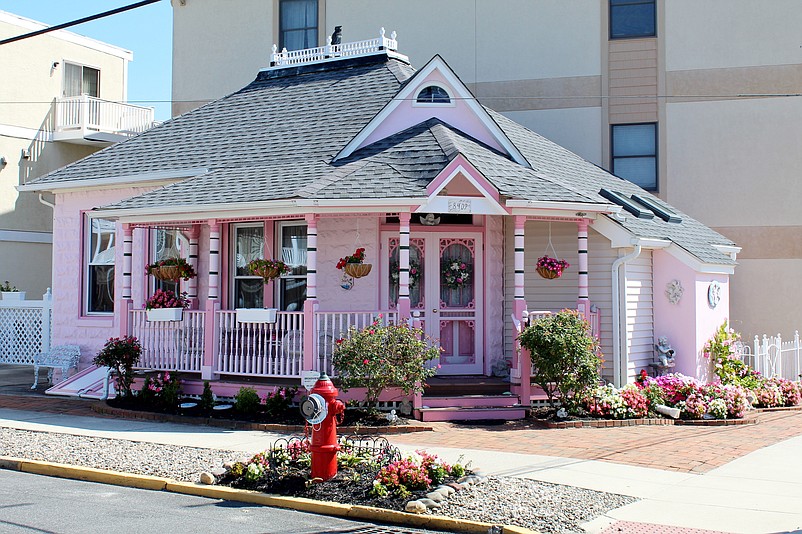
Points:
(86, 112)
(170, 345)
(333, 325)
(260, 349)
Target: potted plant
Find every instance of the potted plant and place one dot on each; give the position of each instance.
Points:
(551, 268)
(268, 269)
(171, 269)
(354, 265)
(10, 292)
(165, 305)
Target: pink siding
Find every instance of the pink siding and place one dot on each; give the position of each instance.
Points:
(691, 322)
(70, 326)
(406, 115)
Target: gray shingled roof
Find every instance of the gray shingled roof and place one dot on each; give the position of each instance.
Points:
(275, 139)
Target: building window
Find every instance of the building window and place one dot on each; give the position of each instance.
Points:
(634, 151)
(100, 252)
(291, 287)
(168, 244)
(433, 94)
(80, 80)
(297, 24)
(632, 18)
(248, 241)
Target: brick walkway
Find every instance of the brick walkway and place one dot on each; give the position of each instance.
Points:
(674, 448)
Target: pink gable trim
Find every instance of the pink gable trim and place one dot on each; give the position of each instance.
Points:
(408, 113)
(447, 176)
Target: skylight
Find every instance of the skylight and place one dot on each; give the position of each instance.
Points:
(663, 213)
(627, 204)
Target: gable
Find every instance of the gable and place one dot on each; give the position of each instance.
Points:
(463, 113)
(461, 188)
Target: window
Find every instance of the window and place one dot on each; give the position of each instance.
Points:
(81, 80)
(632, 18)
(634, 151)
(433, 94)
(249, 244)
(99, 281)
(297, 24)
(292, 287)
(168, 244)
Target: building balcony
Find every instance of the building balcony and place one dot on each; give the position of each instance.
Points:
(87, 120)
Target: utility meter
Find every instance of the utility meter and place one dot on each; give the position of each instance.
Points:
(314, 409)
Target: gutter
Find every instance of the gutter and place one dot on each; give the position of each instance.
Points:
(620, 327)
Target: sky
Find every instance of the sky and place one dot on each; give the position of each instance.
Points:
(146, 31)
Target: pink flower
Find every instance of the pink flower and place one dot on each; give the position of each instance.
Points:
(365, 361)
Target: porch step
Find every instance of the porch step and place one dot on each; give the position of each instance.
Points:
(471, 401)
(497, 413)
(450, 386)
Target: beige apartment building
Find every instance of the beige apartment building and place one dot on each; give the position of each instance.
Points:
(60, 100)
(694, 100)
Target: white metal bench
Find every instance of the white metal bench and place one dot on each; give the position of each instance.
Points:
(63, 357)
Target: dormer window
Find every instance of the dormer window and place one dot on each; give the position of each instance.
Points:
(433, 94)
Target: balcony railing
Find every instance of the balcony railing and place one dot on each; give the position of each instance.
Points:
(170, 346)
(88, 117)
(328, 52)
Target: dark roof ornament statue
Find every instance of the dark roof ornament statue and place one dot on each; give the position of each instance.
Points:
(337, 36)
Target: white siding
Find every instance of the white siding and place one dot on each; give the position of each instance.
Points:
(600, 261)
(639, 314)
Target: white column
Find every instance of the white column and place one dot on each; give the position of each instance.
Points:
(520, 270)
(311, 256)
(128, 247)
(192, 284)
(403, 266)
(583, 299)
(214, 260)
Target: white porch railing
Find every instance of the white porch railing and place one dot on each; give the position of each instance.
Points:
(260, 349)
(86, 112)
(774, 357)
(170, 345)
(25, 329)
(287, 58)
(333, 325)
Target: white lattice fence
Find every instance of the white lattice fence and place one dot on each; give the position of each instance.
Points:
(25, 327)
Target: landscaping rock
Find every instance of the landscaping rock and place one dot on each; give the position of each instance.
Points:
(207, 478)
(666, 410)
(415, 507)
(436, 496)
(218, 471)
(445, 490)
(430, 503)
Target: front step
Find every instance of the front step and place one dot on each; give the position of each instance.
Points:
(470, 401)
(453, 413)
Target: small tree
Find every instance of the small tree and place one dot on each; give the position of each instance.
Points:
(121, 355)
(564, 356)
(380, 356)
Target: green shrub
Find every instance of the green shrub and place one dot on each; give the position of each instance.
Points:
(121, 355)
(247, 401)
(206, 401)
(728, 367)
(381, 356)
(564, 356)
(279, 402)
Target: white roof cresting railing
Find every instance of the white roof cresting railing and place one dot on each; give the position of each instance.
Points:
(330, 51)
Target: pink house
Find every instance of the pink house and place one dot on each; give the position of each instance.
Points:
(340, 147)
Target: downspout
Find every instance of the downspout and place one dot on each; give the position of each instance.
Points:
(619, 327)
(45, 202)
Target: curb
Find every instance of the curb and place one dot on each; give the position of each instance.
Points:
(104, 409)
(300, 504)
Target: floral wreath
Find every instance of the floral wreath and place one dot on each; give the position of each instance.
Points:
(414, 273)
(456, 274)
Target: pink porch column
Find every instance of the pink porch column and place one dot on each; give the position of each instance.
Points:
(212, 304)
(519, 372)
(403, 267)
(126, 303)
(310, 304)
(192, 285)
(583, 300)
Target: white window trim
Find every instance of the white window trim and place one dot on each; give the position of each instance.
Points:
(65, 62)
(232, 267)
(278, 245)
(451, 101)
(86, 264)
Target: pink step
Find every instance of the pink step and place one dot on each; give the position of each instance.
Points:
(472, 414)
(471, 401)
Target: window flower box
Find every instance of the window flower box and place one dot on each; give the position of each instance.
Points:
(257, 315)
(165, 314)
(13, 295)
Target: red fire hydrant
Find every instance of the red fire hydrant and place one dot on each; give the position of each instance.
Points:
(321, 409)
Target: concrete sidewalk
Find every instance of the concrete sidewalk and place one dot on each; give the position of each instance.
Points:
(758, 492)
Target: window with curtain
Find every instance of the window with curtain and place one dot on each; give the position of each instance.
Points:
(81, 80)
(297, 24)
(249, 244)
(168, 244)
(292, 286)
(632, 18)
(634, 153)
(100, 252)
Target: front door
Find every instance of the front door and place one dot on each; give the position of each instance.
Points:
(446, 274)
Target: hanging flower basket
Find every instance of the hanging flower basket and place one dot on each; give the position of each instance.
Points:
(357, 270)
(353, 265)
(268, 269)
(171, 270)
(551, 268)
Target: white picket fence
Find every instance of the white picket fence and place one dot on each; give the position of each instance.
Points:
(25, 329)
(771, 356)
